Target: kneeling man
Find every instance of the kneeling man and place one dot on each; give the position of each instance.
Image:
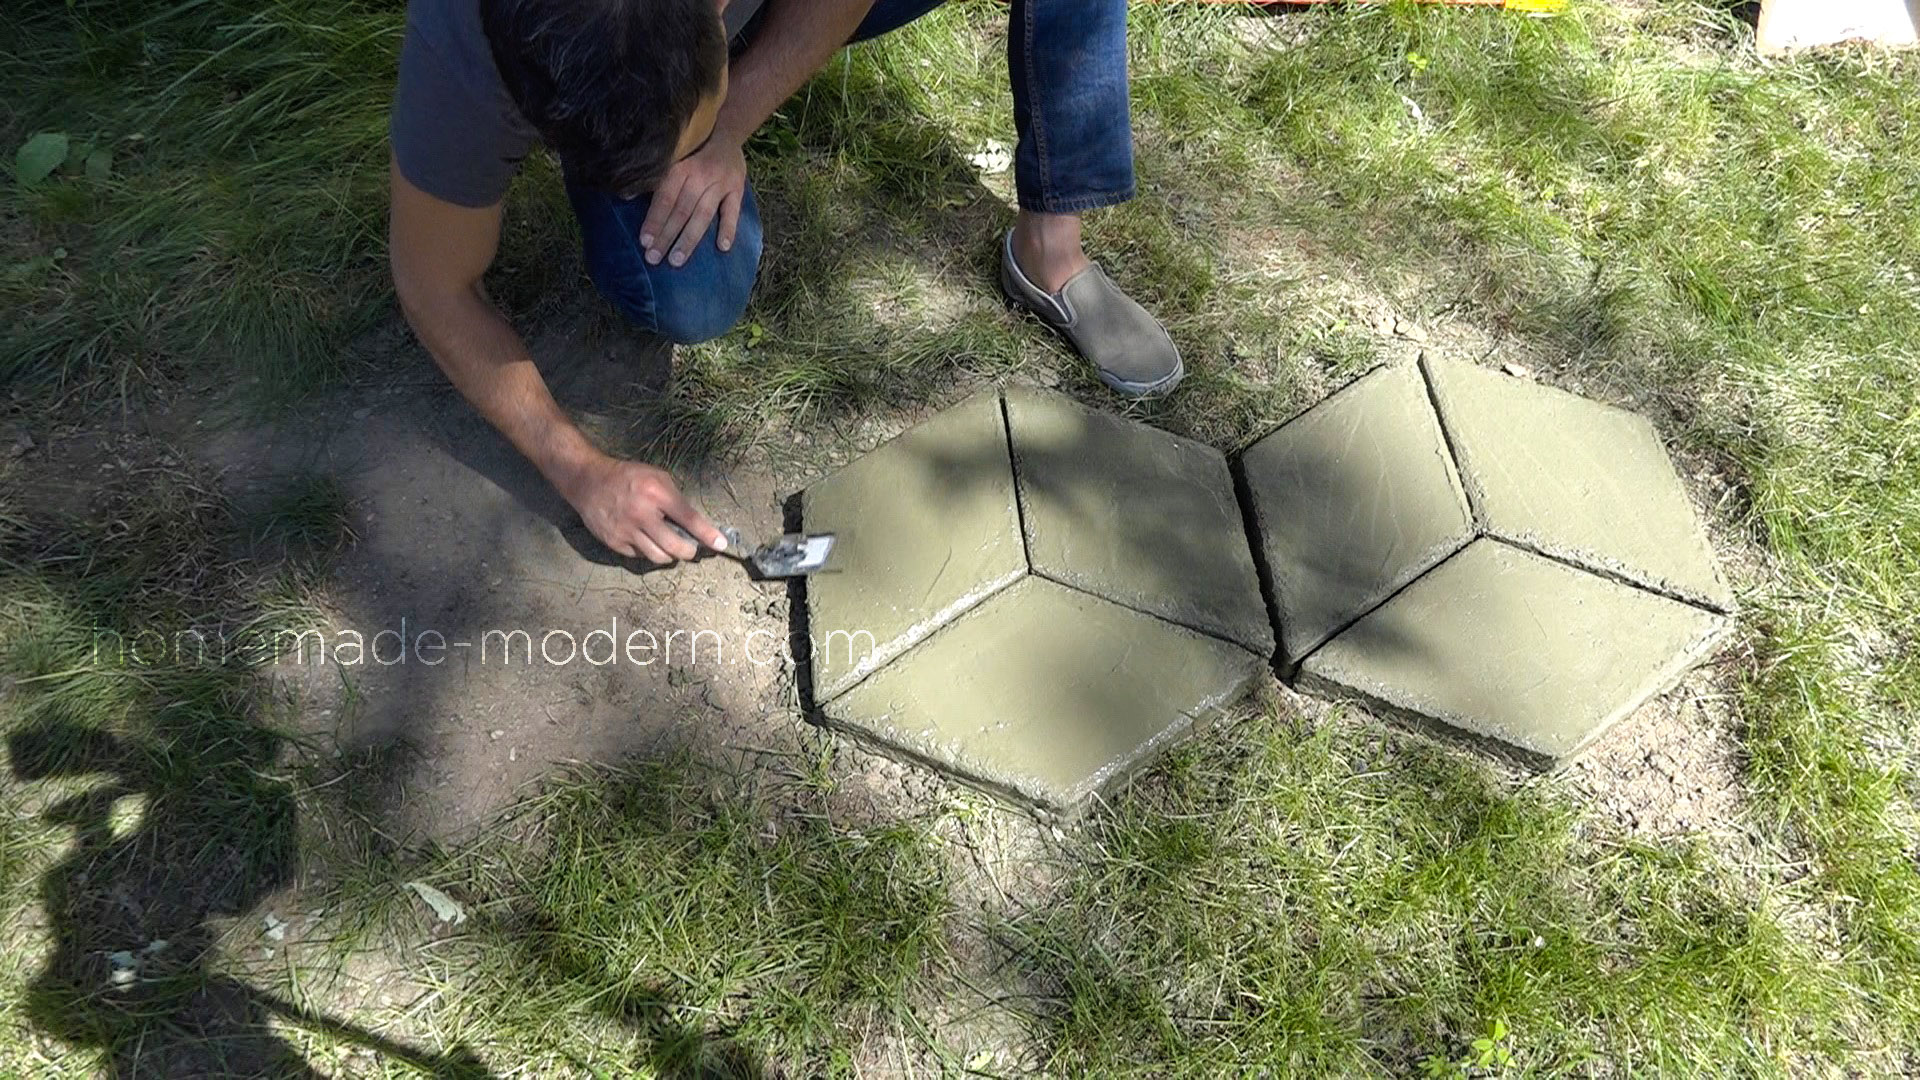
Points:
(647, 113)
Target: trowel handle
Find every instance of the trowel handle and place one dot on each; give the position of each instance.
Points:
(736, 543)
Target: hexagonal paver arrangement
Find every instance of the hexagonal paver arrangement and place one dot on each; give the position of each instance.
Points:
(1033, 596)
(1462, 547)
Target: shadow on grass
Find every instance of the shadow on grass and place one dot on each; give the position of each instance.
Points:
(187, 809)
(130, 912)
(175, 791)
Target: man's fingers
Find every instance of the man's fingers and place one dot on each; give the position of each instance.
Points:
(680, 511)
(696, 226)
(729, 221)
(684, 209)
(652, 238)
(677, 216)
(644, 546)
(671, 541)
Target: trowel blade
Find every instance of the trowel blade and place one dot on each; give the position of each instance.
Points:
(793, 555)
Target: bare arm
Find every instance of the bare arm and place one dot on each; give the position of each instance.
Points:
(796, 39)
(439, 253)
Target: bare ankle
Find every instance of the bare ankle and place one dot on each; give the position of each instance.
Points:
(1047, 249)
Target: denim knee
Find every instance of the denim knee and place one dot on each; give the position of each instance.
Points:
(693, 303)
(696, 301)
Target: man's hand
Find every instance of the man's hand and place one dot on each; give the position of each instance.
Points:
(709, 180)
(629, 506)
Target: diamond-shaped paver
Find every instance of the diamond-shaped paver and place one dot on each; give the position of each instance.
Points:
(1482, 552)
(1045, 692)
(1134, 515)
(1031, 595)
(1575, 479)
(1509, 645)
(1352, 500)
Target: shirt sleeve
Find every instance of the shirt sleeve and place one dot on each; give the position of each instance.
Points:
(456, 135)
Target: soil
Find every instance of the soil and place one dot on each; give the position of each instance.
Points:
(455, 534)
(511, 641)
(1671, 768)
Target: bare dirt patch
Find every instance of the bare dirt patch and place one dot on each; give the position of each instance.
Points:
(1670, 769)
(510, 641)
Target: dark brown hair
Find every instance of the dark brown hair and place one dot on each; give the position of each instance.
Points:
(609, 84)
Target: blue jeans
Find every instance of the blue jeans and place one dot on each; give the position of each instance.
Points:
(1068, 64)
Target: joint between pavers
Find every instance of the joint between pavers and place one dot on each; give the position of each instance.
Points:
(1168, 619)
(1468, 487)
(1293, 670)
(940, 620)
(1609, 573)
(1013, 470)
(1250, 524)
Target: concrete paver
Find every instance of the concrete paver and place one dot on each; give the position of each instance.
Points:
(1505, 644)
(1353, 499)
(1045, 693)
(1049, 594)
(927, 527)
(1138, 516)
(1575, 478)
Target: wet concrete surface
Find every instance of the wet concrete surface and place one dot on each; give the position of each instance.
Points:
(1505, 644)
(1576, 479)
(1045, 693)
(1352, 500)
(1135, 515)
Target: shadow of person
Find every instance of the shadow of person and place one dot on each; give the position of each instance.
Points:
(129, 909)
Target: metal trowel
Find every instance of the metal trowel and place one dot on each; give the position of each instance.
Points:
(789, 555)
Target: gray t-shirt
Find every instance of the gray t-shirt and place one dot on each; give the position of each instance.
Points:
(456, 133)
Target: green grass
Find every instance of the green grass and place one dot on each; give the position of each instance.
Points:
(693, 928)
(241, 231)
(1624, 197)
(1316, 901)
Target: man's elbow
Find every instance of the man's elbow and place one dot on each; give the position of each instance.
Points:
(411, 287)
(428, 301)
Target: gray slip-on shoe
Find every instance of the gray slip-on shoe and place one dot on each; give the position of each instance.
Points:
(1127, 347)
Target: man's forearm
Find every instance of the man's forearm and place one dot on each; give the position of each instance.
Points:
(488, 363)
(796, 39)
